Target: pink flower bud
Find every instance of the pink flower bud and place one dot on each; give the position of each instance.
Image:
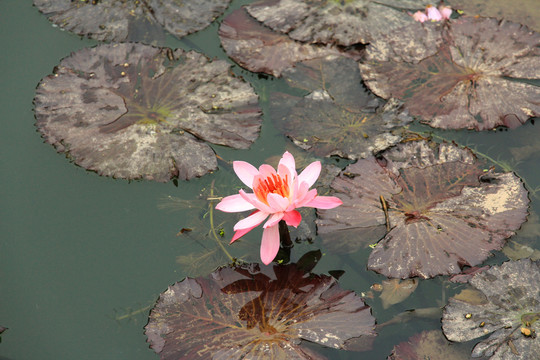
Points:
(445, 11)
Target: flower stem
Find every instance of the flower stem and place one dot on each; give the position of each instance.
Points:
(211, 213)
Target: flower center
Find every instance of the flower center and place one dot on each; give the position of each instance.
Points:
(271, 184)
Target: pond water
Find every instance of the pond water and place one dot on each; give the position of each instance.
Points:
(84, 257)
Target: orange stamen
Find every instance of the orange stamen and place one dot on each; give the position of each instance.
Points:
(272, 184)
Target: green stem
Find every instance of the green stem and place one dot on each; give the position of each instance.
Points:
(211, 212)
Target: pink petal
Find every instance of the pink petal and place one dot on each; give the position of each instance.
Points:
(308, 198)
(234, 203)
(324, 202)
(245, 172)
(240, 233)
(310, 174)
(419, 16)
(277, 202)
(252, 199)
(287, 160)
(266, 170)
(269, 244)
(446, 12)
(292, 218)
(251, 221)
(433, 13)
(274, 220)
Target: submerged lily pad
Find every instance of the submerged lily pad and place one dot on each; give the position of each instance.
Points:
(509, 310)
(519, 11)
(428, 345)
(472, 73)
(120, 20)
(438, 206)
(345, 22)
(338, 116)
(136, 111)
(257, 313)
(259, 49)
(395, 291)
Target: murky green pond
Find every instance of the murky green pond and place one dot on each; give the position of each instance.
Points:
(83, 257)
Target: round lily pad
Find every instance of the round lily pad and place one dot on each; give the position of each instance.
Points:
(474, 73)
(121, 20)
(338, 116)
(440, 208)
(259, 49)
(507, 308)
(252, 312)
(343, 22)
(136, 111)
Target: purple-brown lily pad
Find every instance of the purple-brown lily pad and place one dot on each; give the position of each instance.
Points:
(440, 208)
(344, 22)
(251, 312)
(519, 11)
(473, 73)
(507, 308)
(137, 111)
(338, 116)
(428, 345)
(259, 49)
(120, 20)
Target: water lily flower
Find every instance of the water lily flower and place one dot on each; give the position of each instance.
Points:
(433, 13)
(420, 16)
(445, 11)
(277, 195)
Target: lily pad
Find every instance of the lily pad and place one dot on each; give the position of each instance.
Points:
(510, 311)
(428, 345)
(120, 20)
(251, 312)
(440, 209)
(259, 49)
(519, 11)
(338, 116)
(136, 111)
(473, 73)
(344, 22)
(395, 291)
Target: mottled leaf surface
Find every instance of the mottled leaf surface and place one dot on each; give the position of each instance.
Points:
(338, 116)
(520, 11)
(443, 210)
(121, 20)
(259, 49)
(511, 303)
(428, 345)
(136, 111)
(248, 312)
(341, 22)
(472, 73)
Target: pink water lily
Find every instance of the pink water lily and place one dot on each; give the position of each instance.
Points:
(433, 14)
(276, 194)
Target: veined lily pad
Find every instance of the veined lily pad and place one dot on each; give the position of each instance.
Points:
(343, 22)
(136, 111)
(259, 49)
(339, 116)
(428, 345)
(121, 20)
(438, 206)
(508, 309)
(470, 73)
(257, 313)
